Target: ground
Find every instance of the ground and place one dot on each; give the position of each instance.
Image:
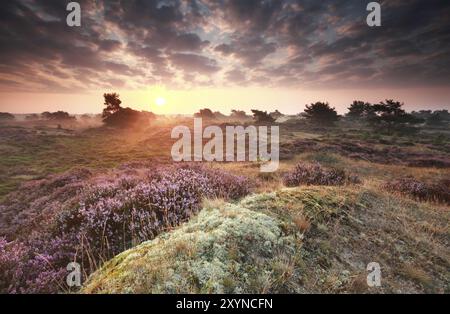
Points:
(302, 239)
(296, 240)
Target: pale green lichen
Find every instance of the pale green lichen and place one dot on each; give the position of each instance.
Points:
(318, 204)
(228, 249)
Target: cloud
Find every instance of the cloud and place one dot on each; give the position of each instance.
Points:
(286, 43)
(194, 63)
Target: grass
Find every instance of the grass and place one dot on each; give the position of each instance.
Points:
(225, 249)
(321, 238)
(331, 233)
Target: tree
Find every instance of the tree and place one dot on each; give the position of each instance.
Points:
(57, 116)
(262, 117)
(46, 115)
(86, 116)
(238, 114)
(423, 114)
(359, 110)
(321, 112)
(219, 115)
(32, 117)
(112, 103)
(205, 114)
(116, 116)
(438, 118)
(6, 116)
(435, 119)
(276, 114)
(390, 115)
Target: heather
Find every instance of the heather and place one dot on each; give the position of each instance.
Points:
(102, 217)
(427, 191)
(226, 249)
(313, 239)
(103, 208)
(315, 174)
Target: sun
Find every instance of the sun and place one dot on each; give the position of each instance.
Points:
(160, 101)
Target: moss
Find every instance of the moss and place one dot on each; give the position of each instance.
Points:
(227, 249)
(318, 204)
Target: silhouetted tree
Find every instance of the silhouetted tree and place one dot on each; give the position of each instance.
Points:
(57, 116)
(238, 114)
(321, 112)
(6, 116)
(116, 116)
(46, 115)
(205, 114)
(423, 114)
(219, 115)
(359, 110)
(112, 103)
(86, 116)
(389, 115)
(435, 119)
(262, 117)
(32, 117)
(276, 114)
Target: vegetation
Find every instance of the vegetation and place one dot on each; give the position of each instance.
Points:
(226, 249)
(57, 116)
(6, 116)
(116, 116)
(113, 201)
(205, 114)
(322, 113)
(434, 192)
(359, 110)
(314, 174)
(112, 103)
(238, 114)
(276, 114)
(262, 117)
(90, 223)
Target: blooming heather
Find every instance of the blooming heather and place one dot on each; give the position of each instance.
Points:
(112, 214)
(315, 174)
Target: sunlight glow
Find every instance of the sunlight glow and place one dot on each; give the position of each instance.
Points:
(160, 101)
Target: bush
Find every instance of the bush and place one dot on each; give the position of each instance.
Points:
(113, 214)
(38, 266)
(226, 249)
(435, 192)
(58, 116)
(6, 116)
(127, 117)
(314, 174)
(322, 113)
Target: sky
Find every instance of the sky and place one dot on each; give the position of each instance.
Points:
(222, 54)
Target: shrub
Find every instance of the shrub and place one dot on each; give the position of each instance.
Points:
(315, 174)
(436, 192)
(228, 249)
(320, 112)
(37, 266)
(113, 213)
(6, 116)
(36, 202)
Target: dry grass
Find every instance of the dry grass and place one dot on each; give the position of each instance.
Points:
(302, 223)
(342, 228)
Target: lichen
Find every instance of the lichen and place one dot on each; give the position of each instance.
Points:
(223, 250)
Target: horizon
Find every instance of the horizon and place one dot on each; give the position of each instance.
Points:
(170, 109)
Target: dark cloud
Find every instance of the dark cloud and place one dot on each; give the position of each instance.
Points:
(235, 76)
(263, 42)
(194, 63)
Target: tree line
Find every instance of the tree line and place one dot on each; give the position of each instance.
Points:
(389, 114)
